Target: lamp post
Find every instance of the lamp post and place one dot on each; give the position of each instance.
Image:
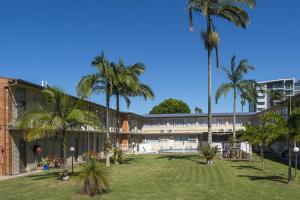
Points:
(72, 150)
(296, 150)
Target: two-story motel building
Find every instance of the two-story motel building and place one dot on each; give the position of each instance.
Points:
(144, 133)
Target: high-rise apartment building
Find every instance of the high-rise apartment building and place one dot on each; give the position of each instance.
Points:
(285, 87)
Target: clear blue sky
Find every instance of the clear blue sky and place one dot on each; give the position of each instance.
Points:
(56, 40)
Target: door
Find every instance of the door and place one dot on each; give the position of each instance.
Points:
(23, 159)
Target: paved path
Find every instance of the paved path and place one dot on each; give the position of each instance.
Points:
(31, 172)
(19, 175)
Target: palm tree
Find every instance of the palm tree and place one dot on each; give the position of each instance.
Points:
(57, 115)
(243, 102)
(95, 177)
(276, 95)
(127, 84)
(293, 137)
(100, 82)
(230, 10)
(198, 110)
(250, 95)
(238, 84)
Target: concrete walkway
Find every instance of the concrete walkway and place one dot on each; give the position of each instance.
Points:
(2, 178)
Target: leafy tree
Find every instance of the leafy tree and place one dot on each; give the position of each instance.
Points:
(198, 110)
(230, 10)
(170, 106)
(293, 136)
(271, 127)
(238, 84)
(95, 177)
(57, 115)
(100, 82)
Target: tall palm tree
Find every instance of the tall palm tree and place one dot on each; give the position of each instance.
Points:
(275, 96)
(230, 10)
(100, 82)
(243, 102)
(128, 85)
(250, 95)
(57, 115)
(238, 84)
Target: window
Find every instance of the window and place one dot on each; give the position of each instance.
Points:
(20, 108)
(21, 94)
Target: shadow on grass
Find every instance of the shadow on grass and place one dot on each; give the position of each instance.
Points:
(193, 158)
(131, 160)
(279, 179)
(245, 167)
(45, 175)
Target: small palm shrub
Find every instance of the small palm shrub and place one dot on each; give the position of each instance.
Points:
(209, 153)
(95, 177)
(117, 156)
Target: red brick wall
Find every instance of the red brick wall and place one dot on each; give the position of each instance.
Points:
(125, 129)
(4, 93)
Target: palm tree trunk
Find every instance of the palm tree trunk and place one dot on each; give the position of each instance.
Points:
(107, 126)
(64, 145)
(234, 117)
(290, 178)
(262, 157)
(209, 86)
(64, 174)
(118, 119)
(107, 113)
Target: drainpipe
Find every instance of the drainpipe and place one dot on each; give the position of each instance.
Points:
(4, 126)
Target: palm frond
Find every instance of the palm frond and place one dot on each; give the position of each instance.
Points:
(233, 14)
(223, 90)
(87, 84)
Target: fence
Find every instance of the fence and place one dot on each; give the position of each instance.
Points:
(158, 147)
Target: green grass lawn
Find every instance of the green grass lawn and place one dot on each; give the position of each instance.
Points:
(160, 177)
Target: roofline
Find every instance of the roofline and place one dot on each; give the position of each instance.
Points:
(39, 87)
(180, 115)
(275, 80)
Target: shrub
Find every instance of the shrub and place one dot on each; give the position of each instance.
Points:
(209, 153)
(117, 156)
(95, 177)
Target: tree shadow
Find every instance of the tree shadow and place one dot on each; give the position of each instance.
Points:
(279, 179)
(131, 160)
(43, 176)
(192, 158)
(245, 167)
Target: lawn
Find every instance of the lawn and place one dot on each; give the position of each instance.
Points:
(166, 177)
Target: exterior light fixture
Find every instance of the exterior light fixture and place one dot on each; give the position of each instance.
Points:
(72, 150)
(296, 151)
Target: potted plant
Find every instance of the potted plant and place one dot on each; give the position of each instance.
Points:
(45, 164)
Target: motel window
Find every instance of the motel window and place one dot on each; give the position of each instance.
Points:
(20, 108)
(21, 94)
